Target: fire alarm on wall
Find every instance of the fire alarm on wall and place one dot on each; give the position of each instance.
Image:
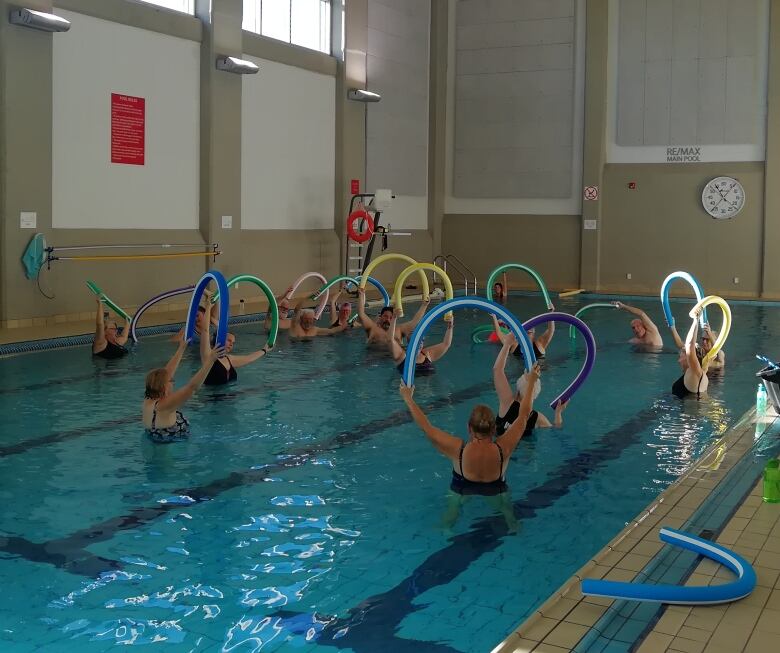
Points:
(631, 185)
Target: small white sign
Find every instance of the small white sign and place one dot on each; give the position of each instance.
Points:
(28, 219)
(589, 225)
(227, 221)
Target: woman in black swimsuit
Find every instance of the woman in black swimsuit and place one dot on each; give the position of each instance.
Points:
(160, 413)
(223, 370)
(425, 356)
(694, 381)
(479, 465)
(540, 344)
(108, 344)
(509, 401)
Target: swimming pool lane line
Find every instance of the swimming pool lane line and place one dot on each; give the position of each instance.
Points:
(69, 552)
(71, 434)
(380, 615)
(144, 515)
(367, 621)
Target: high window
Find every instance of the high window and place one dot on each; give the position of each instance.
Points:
(300, 22)
(186, 6)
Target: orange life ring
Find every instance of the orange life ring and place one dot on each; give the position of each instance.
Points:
(360, 214)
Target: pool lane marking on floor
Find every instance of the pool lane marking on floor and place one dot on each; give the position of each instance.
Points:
(370, 620)
(372, 625)
(83, 563)
(71, 434)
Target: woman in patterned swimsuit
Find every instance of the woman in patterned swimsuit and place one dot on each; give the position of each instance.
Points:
(161, 417)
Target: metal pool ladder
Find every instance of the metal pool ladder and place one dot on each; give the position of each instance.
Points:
(443, 259)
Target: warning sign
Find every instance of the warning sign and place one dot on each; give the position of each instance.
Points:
(591, 193)
(128, 129)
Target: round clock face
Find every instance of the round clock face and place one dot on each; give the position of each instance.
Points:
(723, 198)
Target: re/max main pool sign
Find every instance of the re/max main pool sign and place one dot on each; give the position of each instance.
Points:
(685, 154)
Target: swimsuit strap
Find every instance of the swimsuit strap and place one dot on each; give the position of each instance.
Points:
(462, 447)
(501, 458)
(154, 414)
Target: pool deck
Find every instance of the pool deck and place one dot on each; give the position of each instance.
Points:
(569, 621)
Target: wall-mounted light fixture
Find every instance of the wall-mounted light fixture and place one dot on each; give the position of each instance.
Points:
(362, 95)
(236, 65)
(39, 20)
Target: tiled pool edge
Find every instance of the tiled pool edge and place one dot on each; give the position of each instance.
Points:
(566, 618)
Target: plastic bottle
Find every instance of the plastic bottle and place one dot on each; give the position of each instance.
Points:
(761, 400)
(772, 482)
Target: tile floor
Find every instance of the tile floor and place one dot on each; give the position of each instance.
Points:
(751, 625)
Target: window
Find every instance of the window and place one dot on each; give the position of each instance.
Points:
(300, 22)
(186, 6)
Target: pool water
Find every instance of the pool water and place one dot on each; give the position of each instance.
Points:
(306, 511)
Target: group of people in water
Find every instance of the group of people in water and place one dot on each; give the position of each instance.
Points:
(479, 464)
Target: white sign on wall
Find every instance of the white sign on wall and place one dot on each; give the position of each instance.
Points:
(28, 219)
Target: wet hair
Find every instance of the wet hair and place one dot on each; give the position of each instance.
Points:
(156, 381)
(385, 309)
(482, 421)
(308, 312)
(201, 309)
(500, 285)
(522, 386)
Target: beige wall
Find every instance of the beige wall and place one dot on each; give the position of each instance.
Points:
(661, 227)
(548, 243)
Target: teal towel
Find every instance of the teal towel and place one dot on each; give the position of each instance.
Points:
(34, 256)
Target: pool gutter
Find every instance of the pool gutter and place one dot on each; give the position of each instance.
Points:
(571, 621)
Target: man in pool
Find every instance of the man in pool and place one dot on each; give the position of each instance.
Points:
(377, 331)
(645, 331)
(303, 324)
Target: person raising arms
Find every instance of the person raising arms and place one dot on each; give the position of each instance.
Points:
(377, 332)
(160, 411)
(509, 401)
(108, 343)
(645, 331)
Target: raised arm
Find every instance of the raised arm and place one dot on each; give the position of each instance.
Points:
(100, 336)
(446, 444)
(515, 432)
(678, 341)
(178, 398)
(334, 304)
(500, 382)
(205, 336)
(123, 338)
(173, 364)
(396, 351)
(649, 324)
(690, 348)
(546, 337)
(435, 352)
(366, 321)
(407, 327)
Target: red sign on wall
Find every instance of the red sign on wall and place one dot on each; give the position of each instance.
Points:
(128, 129)
(354, 186)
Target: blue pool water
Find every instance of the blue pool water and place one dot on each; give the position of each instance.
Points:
(305, 512)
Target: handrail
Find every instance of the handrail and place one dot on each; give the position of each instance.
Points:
(463, 269)
(459, 265)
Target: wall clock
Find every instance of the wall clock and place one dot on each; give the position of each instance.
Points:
(723, 198)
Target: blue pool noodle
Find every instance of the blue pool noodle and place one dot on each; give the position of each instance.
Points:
(684, 595)
(224, 306)
(465, 302)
